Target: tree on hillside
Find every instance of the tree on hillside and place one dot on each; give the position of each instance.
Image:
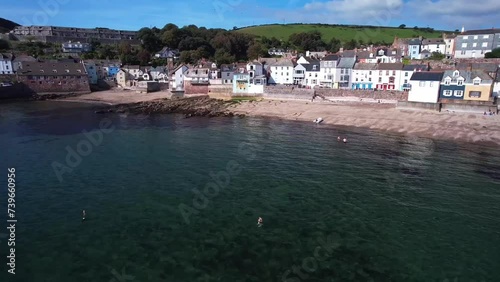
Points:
(351, 44)
(144, 57)
(255, 51)
(307, 41)
(4, 45)
(437, 56)
(150, 39)
(402, 26)
(495, 53)
(334, 45)
(223, 57)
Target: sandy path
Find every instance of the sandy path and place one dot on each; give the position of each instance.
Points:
(456, 126)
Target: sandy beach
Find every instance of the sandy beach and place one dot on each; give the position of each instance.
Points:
(117, 96)
(348, 111)
(455, 126)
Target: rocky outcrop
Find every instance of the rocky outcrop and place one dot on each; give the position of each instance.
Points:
(193, 106)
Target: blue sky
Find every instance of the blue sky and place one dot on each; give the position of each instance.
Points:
(132, 15)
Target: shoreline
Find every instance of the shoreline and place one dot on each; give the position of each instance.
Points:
(456, 127)
(345, 111)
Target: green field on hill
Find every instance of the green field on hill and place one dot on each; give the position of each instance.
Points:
(343, 33)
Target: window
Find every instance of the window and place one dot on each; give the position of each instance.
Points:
(447, 93)
(393, 72)
(475, 94)
(391, 79)
(474, 44)
(386, 72)
(460, 82)
(370, 72)
(458, 93)
(421, 84)
(370, 79)
(486, 36)
(475, 36)
(456, 73)
(406, 74)
(431, 83)
(477, 81)
(379, 79)
(466, 37)
(379, 72)
(485, 44)
(464, 45)
(356, 79)
(447, 81)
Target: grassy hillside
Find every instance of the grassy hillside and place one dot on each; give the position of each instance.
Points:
(343, 33)
(6, 25)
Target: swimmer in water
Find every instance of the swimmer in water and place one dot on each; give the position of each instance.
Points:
(259, 221)
(338, 138)
(83, 215)
(345, 140)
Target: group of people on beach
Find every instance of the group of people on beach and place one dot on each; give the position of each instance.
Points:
(490, 113)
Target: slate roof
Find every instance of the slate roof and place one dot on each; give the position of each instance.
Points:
(347, 62)
(481, 31)
(52, 68)
(432, 41)
(227, 68)
(24, 58)
(416, 68)
(283, 63)
(309, 67)
(390, 66)
(468, 76)
(366, 55)
(365, 66)
(427, 76)
(414, 41)
(488, 67)
(6, 56)
(348, 53)
(332, 57)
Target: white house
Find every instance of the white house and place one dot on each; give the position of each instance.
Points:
(414, 47)
(6, 64)
(367, 56)
(389, 76)
(425, 87)
(281, 72)
(255, 69)
(449, 41)
(123, 79)
(388, 55)
(343, 72)
(312, 72)
(328, 66)
(434, 45)
(167, 53)
(407, 72)
(133, 70)
(496, 84)
(76, 47)
(159, 74)
(364, 76)
(299, 74)
(177, 80)
(91, 69)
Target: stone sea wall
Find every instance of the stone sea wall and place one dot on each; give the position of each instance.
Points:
(289, 92)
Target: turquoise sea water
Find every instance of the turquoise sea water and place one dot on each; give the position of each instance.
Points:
(381, 208)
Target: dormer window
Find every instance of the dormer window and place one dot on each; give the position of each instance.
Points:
(460, 81)
(456, 73)
(447, 81)
(476, 81)
(381, 52)
(314, 67)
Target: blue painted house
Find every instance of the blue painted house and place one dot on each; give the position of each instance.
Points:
(113, 70)
(414, 47)
(452, 85)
